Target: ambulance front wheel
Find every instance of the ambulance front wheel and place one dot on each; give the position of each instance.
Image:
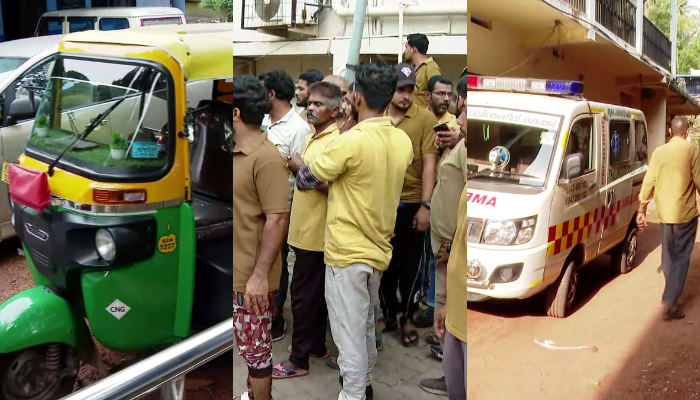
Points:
(625, 254)
(560, 294)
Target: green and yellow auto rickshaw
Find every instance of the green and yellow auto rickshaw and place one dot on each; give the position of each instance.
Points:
(133, 141)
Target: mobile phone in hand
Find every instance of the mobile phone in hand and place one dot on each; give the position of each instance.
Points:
(441, 127)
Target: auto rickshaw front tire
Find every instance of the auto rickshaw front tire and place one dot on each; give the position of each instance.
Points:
(19, 382)
(559, 295)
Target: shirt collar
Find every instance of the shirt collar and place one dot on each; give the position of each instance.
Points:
(427, 61)
(410, 113)
(331, 128)
(677, 139)
(251, 146)
(285, 118)
(376, 121)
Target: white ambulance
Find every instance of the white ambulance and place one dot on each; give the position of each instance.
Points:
(553, 184)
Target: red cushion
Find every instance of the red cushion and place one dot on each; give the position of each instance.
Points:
(29, 187)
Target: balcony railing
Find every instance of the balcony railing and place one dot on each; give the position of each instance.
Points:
(577, 5)
(690, 84)
(618, 16)
(656, 45)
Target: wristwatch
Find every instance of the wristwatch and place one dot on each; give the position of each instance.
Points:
(425, 204)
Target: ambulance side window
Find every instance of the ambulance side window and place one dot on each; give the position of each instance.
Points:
(581, 141)
(619, 142)
(640, 141)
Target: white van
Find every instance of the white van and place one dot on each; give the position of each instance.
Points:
(23, 67)
(106, 19)
(553, 184)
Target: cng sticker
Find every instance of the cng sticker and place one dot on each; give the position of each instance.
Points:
(118, 309)
(167, 243)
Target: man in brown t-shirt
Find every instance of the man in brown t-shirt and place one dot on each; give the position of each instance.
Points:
(413, 214)
(261, 211)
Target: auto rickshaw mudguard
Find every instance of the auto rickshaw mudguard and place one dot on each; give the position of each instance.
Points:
(39, 316)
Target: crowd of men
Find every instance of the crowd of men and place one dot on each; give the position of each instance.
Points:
(355, 180)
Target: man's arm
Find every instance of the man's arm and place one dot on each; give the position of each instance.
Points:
(334, 161)
(646, 193)
(695, 167)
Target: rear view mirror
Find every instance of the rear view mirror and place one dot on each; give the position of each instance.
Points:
(571, 168)
(22, 109)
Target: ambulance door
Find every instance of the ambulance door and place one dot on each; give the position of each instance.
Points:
(615, 218)
(577, 198)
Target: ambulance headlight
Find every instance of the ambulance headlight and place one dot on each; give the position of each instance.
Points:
(509, 232)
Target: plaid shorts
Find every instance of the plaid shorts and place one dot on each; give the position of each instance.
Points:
(253, 336)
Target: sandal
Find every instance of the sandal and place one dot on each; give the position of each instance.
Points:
(332, 363)
(673, 313)
(323, 357)
(432, 338)
(390, 324)
(280, 372)
(409, 338)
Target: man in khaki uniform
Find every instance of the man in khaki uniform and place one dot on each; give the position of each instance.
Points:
(673, 179)
(415, 51)
(261, 210)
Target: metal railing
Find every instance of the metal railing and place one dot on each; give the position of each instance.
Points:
(164, 370)
(656, 45)
(689, 84)
(619, 17)
(577, 5)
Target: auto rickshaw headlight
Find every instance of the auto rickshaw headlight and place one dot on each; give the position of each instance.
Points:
(106, 248)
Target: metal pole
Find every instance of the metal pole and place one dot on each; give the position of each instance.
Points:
(358, 24)
(161, 368)
(401, 46)
(674, 37)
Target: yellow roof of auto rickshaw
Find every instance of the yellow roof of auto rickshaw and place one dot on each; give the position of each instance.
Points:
(204, 51)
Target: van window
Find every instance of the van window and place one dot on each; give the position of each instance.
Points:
(581, 141)
(113, 24)
(619, 142)
(50, 26)
(34, 80)
(640, 141)
(79, 24)
(69, 4)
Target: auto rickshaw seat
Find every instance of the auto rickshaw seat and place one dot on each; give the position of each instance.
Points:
(213, 282)
(213, 219)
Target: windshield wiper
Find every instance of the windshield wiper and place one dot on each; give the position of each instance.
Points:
(490, 174)
(90, 128)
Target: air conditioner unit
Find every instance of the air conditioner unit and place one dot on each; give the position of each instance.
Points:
(282, 16)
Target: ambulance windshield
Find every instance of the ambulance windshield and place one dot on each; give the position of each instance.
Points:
(510, 147)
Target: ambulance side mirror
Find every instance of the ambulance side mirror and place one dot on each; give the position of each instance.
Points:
(571, 168)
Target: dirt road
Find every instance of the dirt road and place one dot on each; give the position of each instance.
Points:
(638, 357)
(212, 381)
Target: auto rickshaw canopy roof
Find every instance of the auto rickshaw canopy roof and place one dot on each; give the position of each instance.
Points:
(205, 51)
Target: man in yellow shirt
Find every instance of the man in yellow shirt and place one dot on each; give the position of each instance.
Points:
(673, 179)
(365, 169)
(306, 230)
(415, 51)
(413, 215)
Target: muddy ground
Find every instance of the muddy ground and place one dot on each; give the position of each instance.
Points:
(212, 381)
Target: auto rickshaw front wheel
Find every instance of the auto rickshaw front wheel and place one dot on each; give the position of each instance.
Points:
(39, 373)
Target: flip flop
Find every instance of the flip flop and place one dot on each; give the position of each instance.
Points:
(323, 357)
(432, 338)
(406, 337)
(332, 363)
(280, 372)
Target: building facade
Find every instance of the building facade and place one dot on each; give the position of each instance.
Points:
(298, 37)
(617, 52)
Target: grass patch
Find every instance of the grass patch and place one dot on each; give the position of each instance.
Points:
(99, 155)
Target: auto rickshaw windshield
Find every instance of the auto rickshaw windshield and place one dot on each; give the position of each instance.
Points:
(109, 118)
